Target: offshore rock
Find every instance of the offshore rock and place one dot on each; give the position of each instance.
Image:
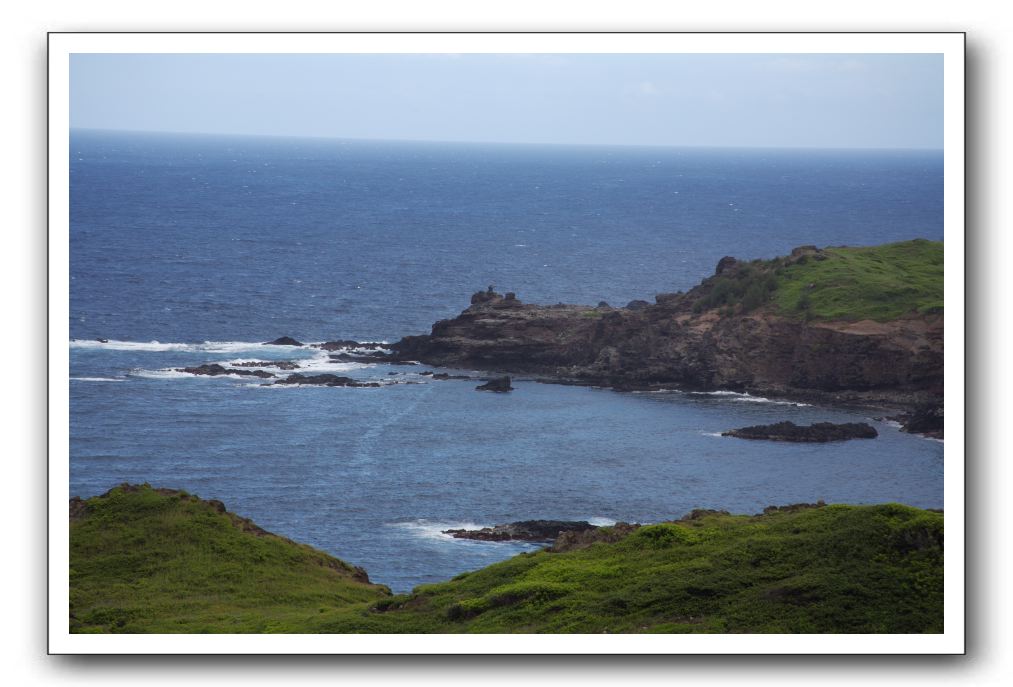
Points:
(497, 384)
(283, 341)
(926, 419)
(214, 370)
(525, 530)
(325, 380)
(816, 432)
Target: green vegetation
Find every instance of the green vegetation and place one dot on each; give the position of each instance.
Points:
(145, 562)
(877, 283)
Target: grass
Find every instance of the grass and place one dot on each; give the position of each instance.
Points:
(142, 562)
(877, 283)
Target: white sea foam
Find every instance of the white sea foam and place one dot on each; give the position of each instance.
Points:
(711, 434)
(157, 346)
(749, 398)
(432, 529)
(601, 521)
(98, 379)
(167, 373)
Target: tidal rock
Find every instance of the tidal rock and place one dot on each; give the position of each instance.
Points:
(526, 530)
(325, 380)
(102, 340)
(214, 370)
(816, 432)
(498, 384)
(926, 419)
(283, 341)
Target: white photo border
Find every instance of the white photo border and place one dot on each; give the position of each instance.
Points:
(63, 45)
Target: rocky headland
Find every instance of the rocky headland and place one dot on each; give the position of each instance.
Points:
(818, 325)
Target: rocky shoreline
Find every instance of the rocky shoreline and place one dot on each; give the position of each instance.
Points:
(675, 344)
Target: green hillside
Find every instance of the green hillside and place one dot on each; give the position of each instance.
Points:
(875, 282)
(144, 561)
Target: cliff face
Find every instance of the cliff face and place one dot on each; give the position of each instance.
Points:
(674, 344)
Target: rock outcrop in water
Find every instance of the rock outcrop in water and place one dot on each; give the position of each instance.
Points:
(676, 343)
(325, 380)
(926, 419)
(497, 384)
(816, 432)
(214, 370)
(283, 341)
(525, 530)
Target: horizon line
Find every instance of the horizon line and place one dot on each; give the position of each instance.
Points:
(504, 143)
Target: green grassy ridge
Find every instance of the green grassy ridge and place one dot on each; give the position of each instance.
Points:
(144, 562)
(880, 283)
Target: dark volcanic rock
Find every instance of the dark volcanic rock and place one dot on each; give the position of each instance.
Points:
(726, 263)
(672, 345)
(526, 530)
(637, 305)
(498, 384)
(283, 341)
(819, 432)
(325, 380)
(571, 540)
(926, 419)
(214, 370)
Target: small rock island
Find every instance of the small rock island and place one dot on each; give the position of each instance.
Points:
(816, 432)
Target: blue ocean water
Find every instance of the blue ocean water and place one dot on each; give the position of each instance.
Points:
(192, 249)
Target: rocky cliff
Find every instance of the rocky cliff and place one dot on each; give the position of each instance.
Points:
(705, 339)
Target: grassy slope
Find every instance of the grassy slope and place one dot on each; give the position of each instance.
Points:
(150, 562)
(876, 282)
(163, 564)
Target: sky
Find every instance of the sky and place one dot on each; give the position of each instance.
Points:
(755, 100)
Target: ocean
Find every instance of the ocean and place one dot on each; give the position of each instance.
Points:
(189, 249)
